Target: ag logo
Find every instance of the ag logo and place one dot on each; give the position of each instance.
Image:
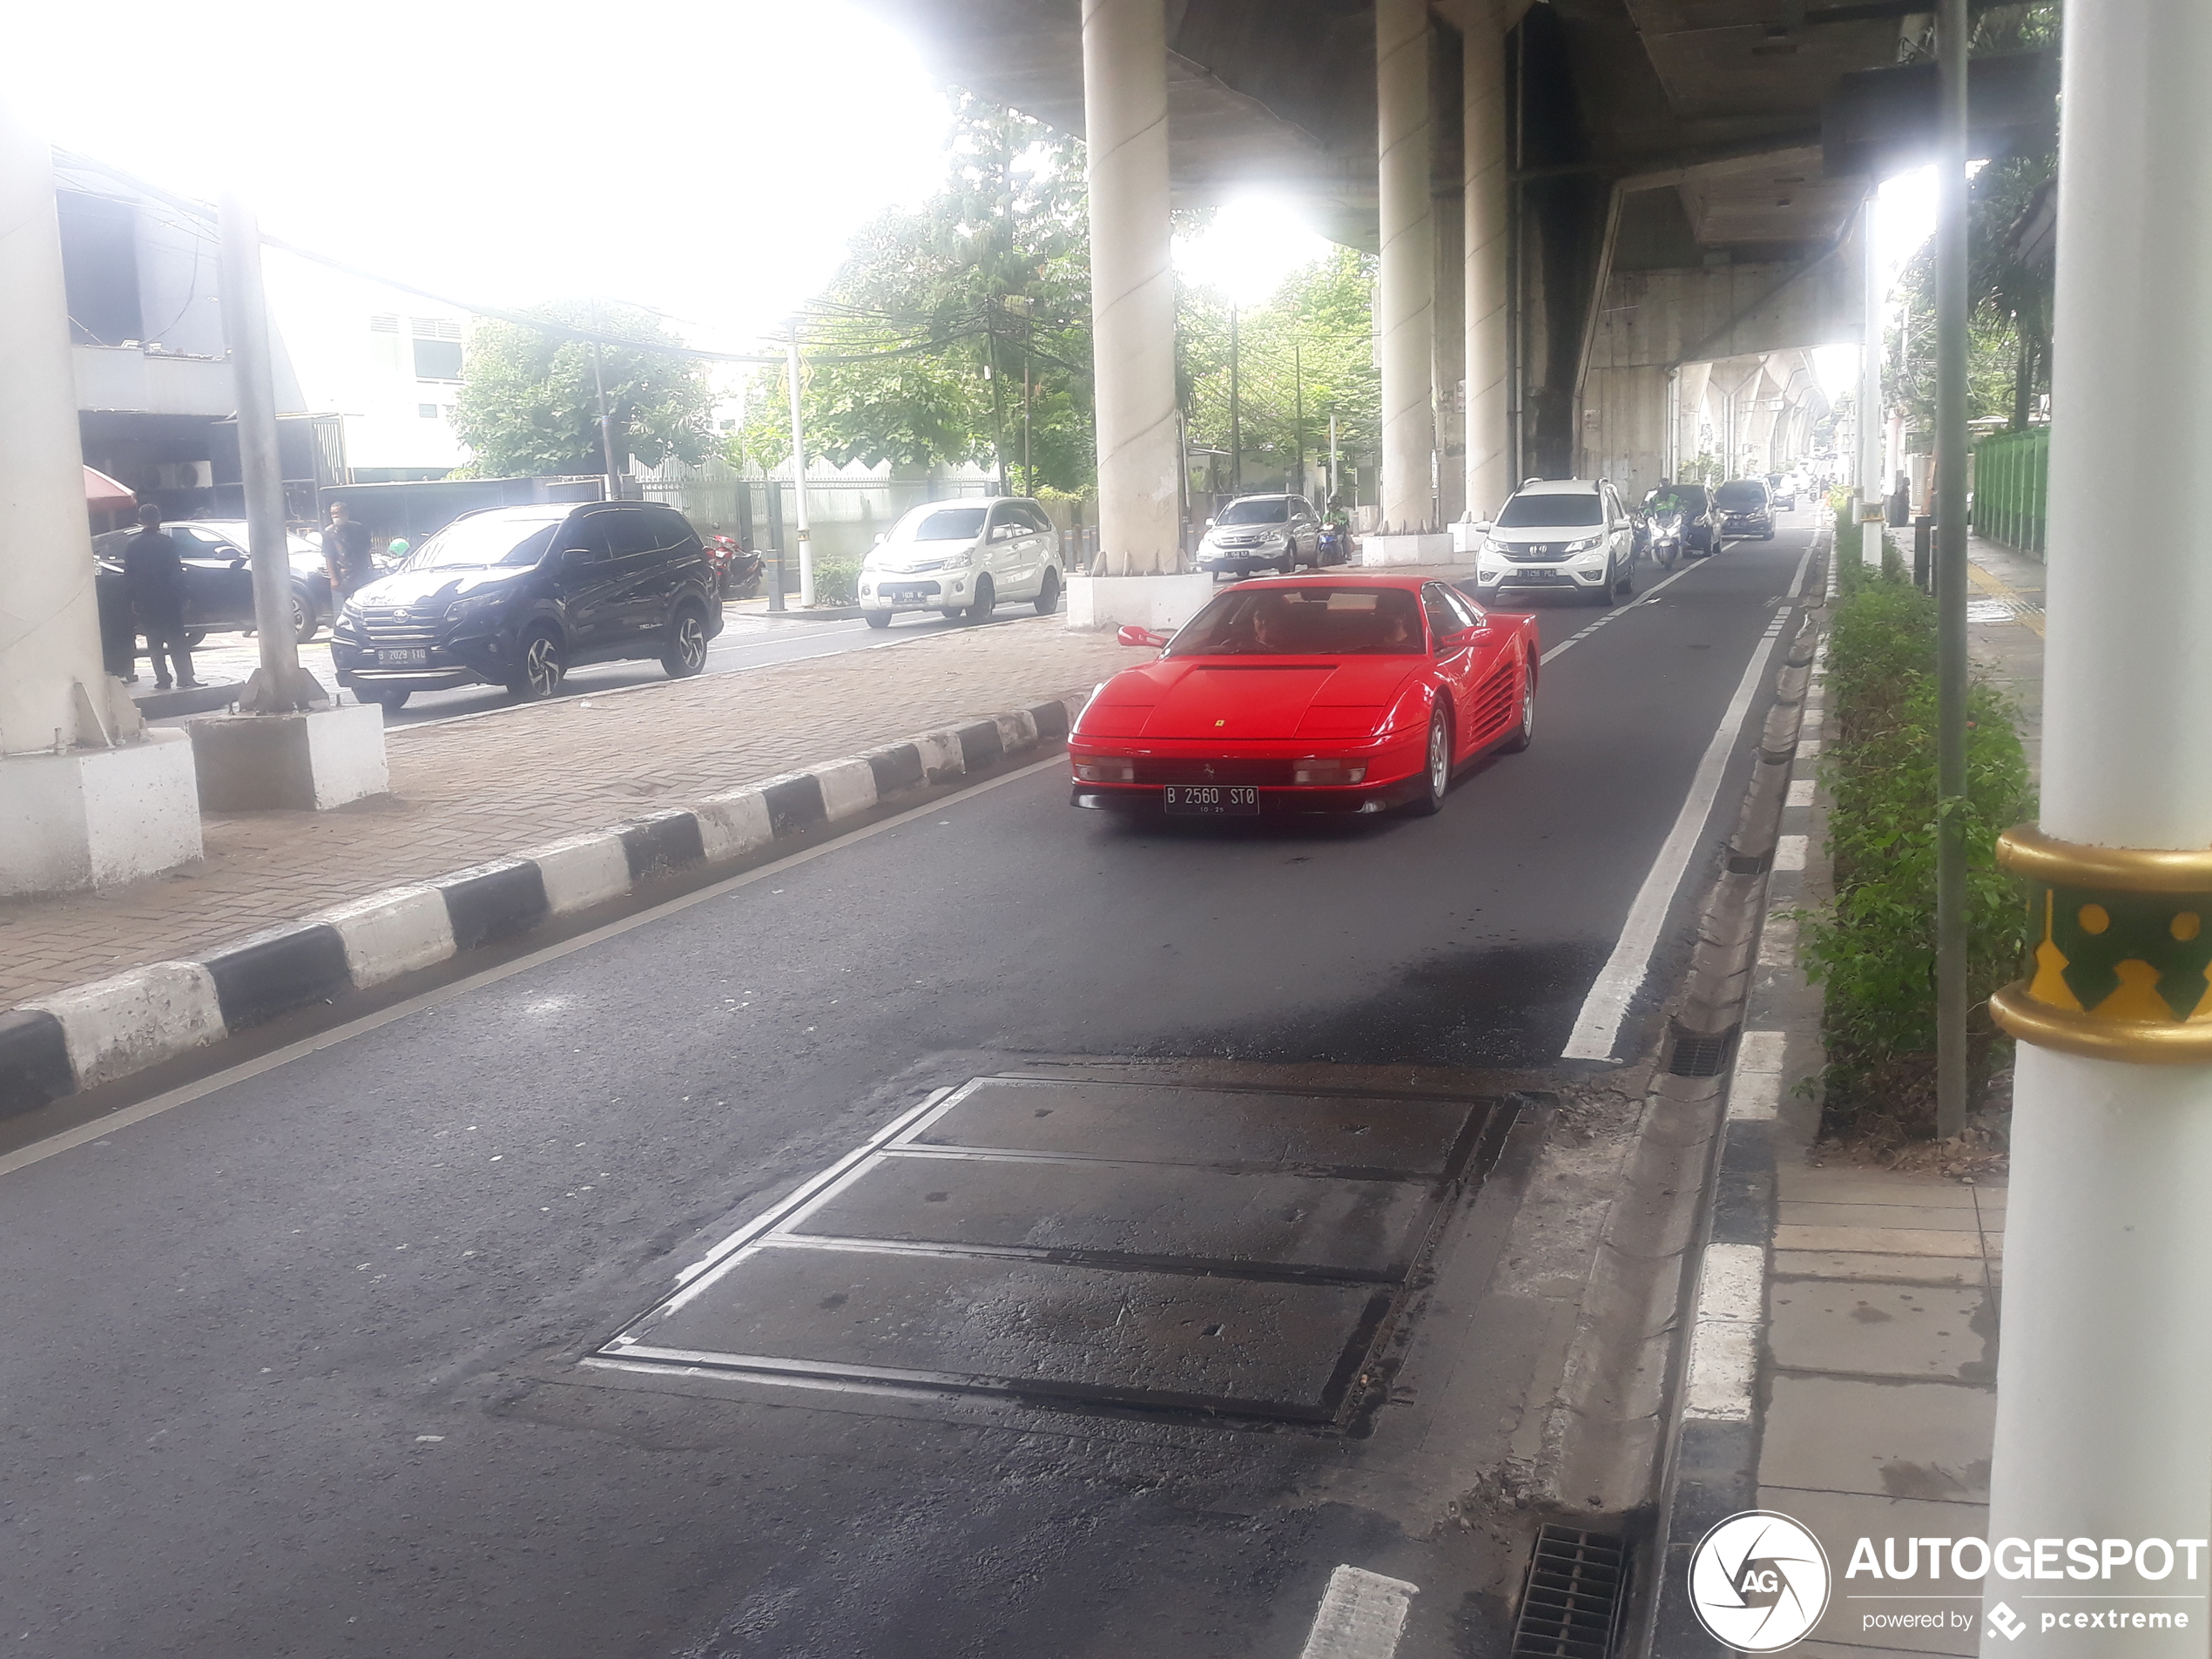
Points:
(1758, 1582)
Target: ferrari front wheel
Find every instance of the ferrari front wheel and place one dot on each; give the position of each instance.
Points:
(1436, 776)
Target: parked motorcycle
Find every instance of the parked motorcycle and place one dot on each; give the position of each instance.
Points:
(737, 570)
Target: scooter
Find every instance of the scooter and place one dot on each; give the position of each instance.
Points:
(1667, 543)
(736, 571)
(1335, 547)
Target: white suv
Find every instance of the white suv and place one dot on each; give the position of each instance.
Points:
(1559, 533)
(964, 557)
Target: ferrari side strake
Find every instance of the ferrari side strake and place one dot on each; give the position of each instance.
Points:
(1335, 693)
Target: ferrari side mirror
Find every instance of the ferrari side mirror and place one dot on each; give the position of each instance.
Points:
(1131, 634)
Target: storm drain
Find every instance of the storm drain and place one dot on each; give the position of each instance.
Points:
(1571, 1606)
(1700, 1054)
(1082, 1239)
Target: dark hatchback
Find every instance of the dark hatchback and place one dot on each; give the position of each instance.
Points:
(518, 596)
(1744, 508)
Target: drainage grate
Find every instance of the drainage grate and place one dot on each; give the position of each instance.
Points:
(1571, 1607)
(1701, 1053)
(1744, 864)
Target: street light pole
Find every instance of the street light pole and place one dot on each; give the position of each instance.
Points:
(2101, 1428)
(1951, 575)
(280, 686)
(606, 426)
(1870, 423)
(798, 487)
(1236, 414)
(1297, 383)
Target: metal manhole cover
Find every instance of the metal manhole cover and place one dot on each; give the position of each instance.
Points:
(1137, 1244)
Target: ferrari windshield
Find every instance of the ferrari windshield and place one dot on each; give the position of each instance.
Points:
(1304, 622)
(1265, 509)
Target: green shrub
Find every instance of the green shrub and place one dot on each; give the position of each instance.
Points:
(1874, 948)
(837, 582)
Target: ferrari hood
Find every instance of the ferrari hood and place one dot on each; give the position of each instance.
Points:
(1244, 699)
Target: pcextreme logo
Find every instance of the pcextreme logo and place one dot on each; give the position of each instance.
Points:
(1758, 1582)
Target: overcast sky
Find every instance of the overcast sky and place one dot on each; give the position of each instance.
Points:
(704, 157)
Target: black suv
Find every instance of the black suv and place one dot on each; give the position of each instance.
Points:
(518, 596)
(1744, 508)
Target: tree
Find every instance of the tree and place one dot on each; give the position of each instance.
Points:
(917, 350)
(1308, 347)
(528, 403)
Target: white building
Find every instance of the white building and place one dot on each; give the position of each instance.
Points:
(386, 362)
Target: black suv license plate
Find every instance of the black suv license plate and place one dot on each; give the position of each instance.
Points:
(416, 657)
(1210, 800)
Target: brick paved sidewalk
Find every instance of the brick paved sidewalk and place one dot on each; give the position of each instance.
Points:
(481, 788)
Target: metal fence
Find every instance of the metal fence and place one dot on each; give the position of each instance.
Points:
(2012, 480)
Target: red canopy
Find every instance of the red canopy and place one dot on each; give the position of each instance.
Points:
(102, 494)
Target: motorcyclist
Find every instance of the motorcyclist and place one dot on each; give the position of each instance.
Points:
(1668, 510)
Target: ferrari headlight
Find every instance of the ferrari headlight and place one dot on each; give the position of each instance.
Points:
(1106, 769)
(1315, 769)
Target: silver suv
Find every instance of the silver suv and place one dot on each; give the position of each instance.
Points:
(1261, 533)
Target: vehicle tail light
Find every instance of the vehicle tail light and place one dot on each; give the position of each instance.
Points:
(1314, 770)
(1106, 769)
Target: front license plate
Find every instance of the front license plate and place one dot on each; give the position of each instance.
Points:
(415, 658)
(1210, 800)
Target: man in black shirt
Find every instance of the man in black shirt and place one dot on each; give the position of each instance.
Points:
(153, 577)
(345, 554)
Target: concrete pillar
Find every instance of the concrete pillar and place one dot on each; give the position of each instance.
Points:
(1406, 304)
(1125, 117)
(2102, 1430)
(1448, 365)
(1690, 413)
(85, 797)
(1484, 206)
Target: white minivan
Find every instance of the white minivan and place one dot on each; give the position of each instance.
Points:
(1569, 534)
(964, 557)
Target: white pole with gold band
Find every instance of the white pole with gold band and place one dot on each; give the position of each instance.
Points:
(2104, 1381)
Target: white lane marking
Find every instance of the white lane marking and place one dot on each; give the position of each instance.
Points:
(101, 1128)
(1598, 1025)
(1798, 580)
(1362, 1615)
(1643, 598)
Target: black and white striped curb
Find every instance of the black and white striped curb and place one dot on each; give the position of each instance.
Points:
(88, 1035)
(1770, 1035)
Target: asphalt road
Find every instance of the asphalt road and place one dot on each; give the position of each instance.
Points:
(293, 1366)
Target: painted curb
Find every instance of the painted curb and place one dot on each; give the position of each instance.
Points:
(75, 1039)
(1710, 1470)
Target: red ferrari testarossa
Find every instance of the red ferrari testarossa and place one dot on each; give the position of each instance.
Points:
(1335, 693)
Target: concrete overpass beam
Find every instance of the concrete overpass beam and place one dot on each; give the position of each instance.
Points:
(1125, 102)
(1407, 323)
(1489, 401)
